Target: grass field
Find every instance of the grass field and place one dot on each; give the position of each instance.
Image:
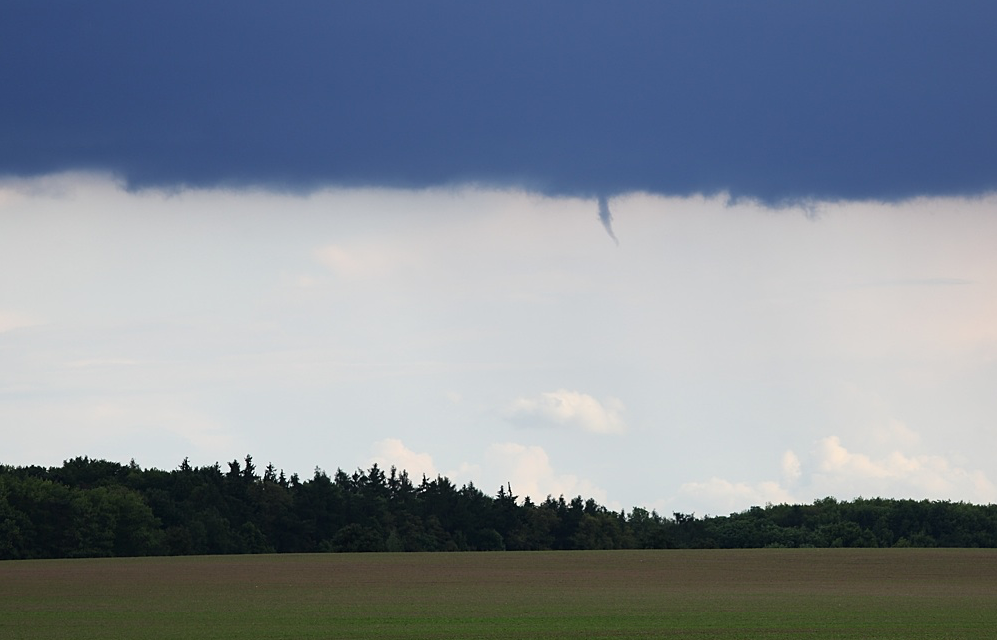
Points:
(805, 593)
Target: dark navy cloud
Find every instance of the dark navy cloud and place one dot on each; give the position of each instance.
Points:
(768, 99)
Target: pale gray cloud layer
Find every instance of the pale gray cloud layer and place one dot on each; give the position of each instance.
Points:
(721, 356)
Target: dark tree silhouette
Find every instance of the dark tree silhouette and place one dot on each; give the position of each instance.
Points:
(89, 508)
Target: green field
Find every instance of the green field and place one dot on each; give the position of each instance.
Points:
(764, 593)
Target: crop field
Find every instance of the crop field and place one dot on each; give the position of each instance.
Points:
(765, 593)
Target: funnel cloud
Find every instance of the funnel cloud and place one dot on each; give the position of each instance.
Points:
(607, 218)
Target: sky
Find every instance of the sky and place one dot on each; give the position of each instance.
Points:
(686, 256)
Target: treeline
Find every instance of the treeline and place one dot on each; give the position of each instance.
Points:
(93, 508)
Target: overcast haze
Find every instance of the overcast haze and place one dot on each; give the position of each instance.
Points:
(686, 256)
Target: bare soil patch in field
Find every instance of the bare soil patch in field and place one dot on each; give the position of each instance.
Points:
(811, 593)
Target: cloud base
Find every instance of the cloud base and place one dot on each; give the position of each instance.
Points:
(776, 101)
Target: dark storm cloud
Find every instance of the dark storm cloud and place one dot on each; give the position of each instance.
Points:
(770, 99)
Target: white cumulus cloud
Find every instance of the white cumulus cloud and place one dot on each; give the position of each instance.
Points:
(569, 408)
(392, 452)
(791, 469)
(729, 497)
(897, 473)
(528, 469)
(835, 470)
